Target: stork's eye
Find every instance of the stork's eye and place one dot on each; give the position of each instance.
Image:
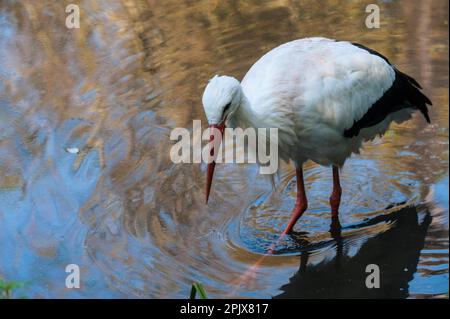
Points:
(226, 108)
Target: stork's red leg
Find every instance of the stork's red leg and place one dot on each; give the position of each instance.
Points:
(300, 204)
(335, 198)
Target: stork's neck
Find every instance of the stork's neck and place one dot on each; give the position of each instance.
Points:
(244, 116)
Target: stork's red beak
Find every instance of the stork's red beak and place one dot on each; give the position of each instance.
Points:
(214, 143)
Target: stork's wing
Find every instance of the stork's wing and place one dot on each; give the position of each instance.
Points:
(320, 81)
(404, 92)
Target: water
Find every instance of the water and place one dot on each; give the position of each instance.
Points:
(85, 175)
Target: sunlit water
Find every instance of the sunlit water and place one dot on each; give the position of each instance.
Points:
(85, 174)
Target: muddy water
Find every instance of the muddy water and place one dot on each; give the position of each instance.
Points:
(85, 174)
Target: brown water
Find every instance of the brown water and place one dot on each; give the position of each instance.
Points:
(135, 222)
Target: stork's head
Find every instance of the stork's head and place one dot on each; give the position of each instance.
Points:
(221, 99)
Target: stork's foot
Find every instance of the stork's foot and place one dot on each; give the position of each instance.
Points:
(335, 227)
(335, 201)
(335, 198)
(296, 214)
(301, 203)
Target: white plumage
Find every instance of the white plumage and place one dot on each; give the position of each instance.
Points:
(313, 90)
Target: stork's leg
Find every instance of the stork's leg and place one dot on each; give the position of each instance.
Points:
(301, 203)
(335, 198)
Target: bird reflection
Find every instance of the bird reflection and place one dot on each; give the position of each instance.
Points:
(396, 251)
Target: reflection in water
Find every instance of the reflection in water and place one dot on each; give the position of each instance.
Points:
(85, 174)
(396, 251)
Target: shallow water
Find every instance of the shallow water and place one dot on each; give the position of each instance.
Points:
(85, 174)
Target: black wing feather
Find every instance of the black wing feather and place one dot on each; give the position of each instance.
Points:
(404, 93)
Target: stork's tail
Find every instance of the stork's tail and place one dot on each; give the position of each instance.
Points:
(414, 96)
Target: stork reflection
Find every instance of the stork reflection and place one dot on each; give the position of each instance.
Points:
(395, 250)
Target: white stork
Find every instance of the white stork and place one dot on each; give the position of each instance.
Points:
(326, 98)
